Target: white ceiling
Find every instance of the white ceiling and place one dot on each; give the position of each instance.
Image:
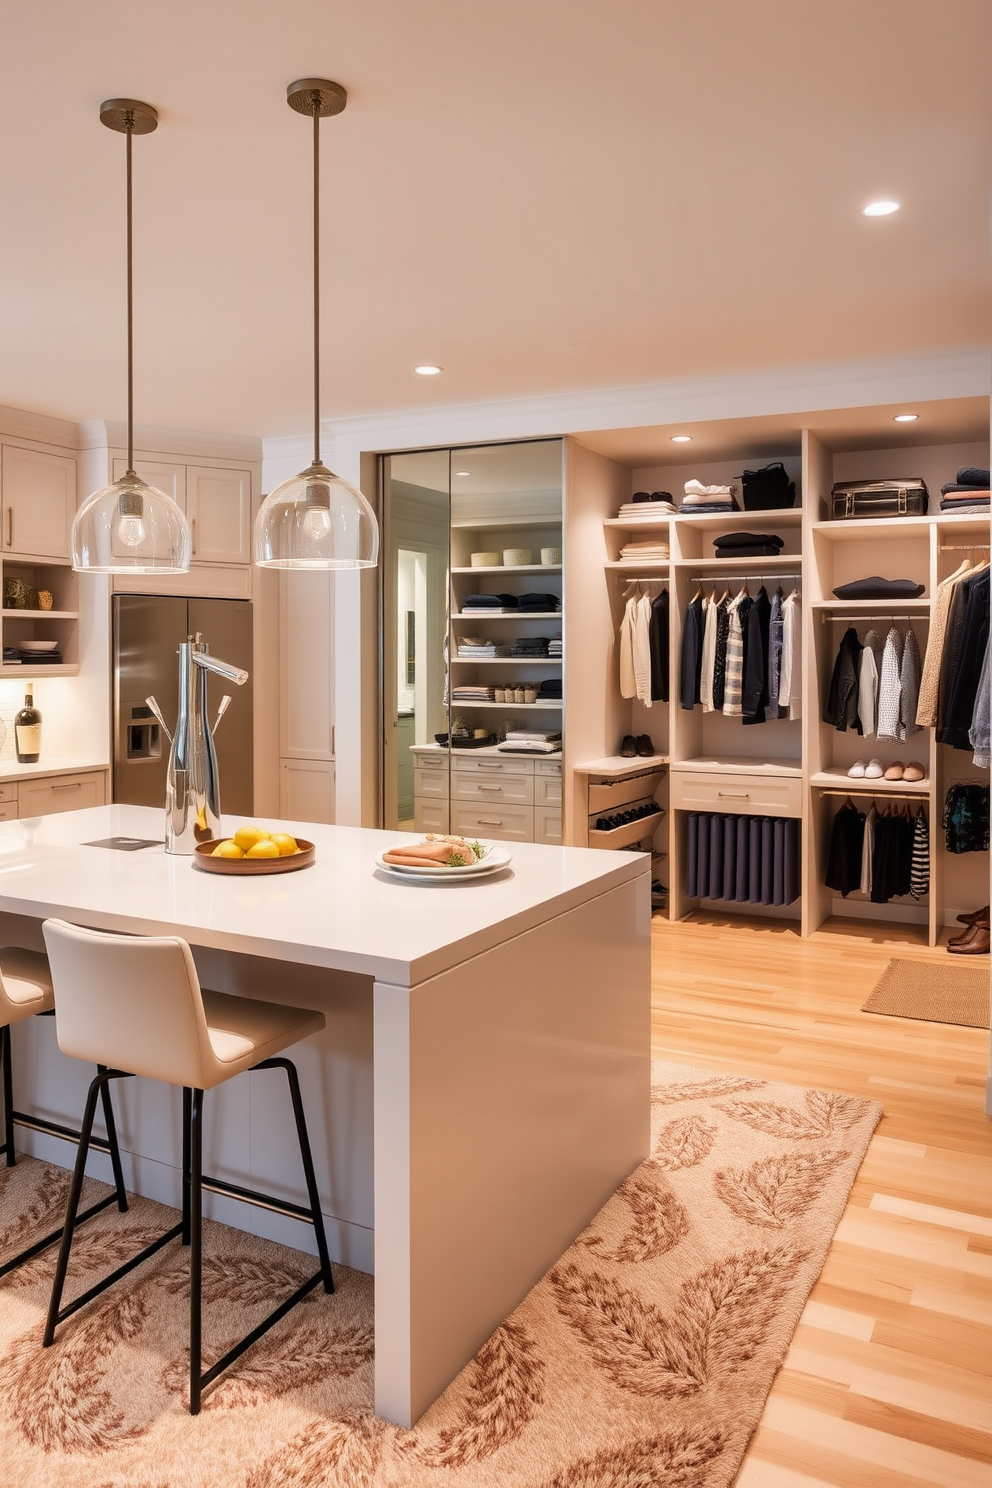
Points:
(541, 195)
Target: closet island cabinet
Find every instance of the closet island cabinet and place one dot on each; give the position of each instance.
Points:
(711, 772)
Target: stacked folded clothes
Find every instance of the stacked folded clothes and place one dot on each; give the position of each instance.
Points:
(539, 603)
(496, 604)
(748, 545)
(968, 493)
(554, 645)
(550, 689)
(13, 657)
(473, 694)
(700, 498)
(648, 505)
(648, 550)
(530, 646)
(876, 587)
(473, 648)
(531, 741)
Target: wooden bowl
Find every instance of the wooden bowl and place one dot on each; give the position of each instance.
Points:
(203, 860)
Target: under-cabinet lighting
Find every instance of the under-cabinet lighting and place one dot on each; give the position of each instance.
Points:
(880, 209)
(905, 418)
(681, 438)
(463, 472)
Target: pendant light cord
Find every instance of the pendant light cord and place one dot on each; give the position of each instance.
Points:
(128, 132)
(316, 278)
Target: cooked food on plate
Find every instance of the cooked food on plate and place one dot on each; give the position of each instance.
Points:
(436, 852)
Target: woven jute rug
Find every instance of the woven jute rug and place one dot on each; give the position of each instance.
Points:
(641, 1360)
(932, 993)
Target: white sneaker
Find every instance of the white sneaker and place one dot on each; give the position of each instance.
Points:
(857, 770)
(874, 770)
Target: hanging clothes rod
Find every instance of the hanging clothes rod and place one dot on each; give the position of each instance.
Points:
(827, 617)
(716, 579)
(627, 579)
(964, 547)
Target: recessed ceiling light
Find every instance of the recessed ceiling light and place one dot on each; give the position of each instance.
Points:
(428, 369)
(463, 472)
(681, 438)
(880, 209)
(905, 418)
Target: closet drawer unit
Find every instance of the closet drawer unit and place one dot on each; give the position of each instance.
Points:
(431, 783)
(497, 823)
(606, 796)
(518, 789)
(430, 816)
(8, 811)
(747, 795)
(59, 793)
(547, 792)
(547, 766)
(434, 761)
(507, 764)
(8, 792)
(547, 825)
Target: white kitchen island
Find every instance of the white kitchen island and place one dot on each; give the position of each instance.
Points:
(481, 1087)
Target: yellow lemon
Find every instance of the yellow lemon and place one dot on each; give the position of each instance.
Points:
(228, 849)
(265, 848)
(285, 844)
(246, 837)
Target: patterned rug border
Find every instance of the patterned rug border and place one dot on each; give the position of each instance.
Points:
(960, 998)
(643, 1358)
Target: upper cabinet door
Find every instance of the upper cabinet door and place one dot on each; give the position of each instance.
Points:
(165, 477)
(218, 504)
(39, 502)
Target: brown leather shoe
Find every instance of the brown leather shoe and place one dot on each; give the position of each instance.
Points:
(974, 943)
(974, 917)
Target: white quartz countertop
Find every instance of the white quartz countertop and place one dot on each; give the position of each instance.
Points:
(342, 913)
(11, 770)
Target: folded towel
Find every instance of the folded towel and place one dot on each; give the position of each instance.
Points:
(696, 488)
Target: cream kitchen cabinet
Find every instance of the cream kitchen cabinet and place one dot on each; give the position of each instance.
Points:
(306, 790)
(486, 793)
(39, 795)
(38, 498)
(217, 502)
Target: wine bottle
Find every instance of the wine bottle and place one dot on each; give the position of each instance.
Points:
(27, 730)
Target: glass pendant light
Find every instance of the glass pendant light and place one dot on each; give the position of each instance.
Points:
(316, 519)
(130, 527)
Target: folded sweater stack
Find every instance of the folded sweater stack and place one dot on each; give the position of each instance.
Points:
(699, 498)
(748, 545)
(968, 493)
(648, 506)
(647, 550)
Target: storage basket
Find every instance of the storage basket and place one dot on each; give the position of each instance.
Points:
(517, 557)
(486, 560)
(550, 556)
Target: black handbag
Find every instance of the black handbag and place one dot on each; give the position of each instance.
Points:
(768, 489)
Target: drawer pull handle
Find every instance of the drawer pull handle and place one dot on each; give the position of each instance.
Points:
(70, 785)
(488, 765)
(480, 786)
(487, 821)
(10, 526)
(736, 795)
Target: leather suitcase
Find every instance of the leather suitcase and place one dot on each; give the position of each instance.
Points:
(885, 498)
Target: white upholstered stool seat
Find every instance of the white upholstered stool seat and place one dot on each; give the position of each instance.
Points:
(26, 991)
(25, 984)
(134, 1005)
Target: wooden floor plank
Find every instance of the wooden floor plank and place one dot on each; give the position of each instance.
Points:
(896, 1341)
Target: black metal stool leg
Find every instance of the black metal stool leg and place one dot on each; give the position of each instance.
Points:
(195, 1251)
(187, 1116)
(75, 1189)
(8, 1096)
(308, 1171)
(115, 1151)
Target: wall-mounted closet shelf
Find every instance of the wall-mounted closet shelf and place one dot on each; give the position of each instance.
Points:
(763, 568)
(838, 782)
(26, 672)
(871, 609)
(545, 706)
(740, 765)
(628, 566)
(40, 614)
(476, 615)
(495, 570)
(788, 516)
(496, 523)
(638, 524)
(618, 766)
(510, 661)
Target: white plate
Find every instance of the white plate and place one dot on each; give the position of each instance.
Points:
(494, 859)
(37, 645)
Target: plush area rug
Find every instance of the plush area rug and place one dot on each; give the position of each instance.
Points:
(641, 1360)
(932, 993)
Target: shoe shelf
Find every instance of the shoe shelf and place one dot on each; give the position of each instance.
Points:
(619, 766)
(625, 836)
(863, 785)
(740, 764)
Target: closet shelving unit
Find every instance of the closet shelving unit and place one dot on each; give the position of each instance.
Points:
(798, 767)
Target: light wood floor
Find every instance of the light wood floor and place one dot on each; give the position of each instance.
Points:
(889, 1380)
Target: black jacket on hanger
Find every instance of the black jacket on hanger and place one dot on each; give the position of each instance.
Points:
(658, 636)
(842, 700)
(963, 682)
(692, 654)
(754, 686)
(720, 663)
(847, 839)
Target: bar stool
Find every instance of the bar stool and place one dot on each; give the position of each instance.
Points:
(136, 1004)
(26, 992)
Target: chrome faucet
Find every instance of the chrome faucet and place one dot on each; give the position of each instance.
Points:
(192, 786)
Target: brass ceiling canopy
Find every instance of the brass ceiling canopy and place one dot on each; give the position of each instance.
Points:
(128, 115)
(316, 96)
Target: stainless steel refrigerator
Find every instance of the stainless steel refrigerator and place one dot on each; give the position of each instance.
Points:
(148, 630)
